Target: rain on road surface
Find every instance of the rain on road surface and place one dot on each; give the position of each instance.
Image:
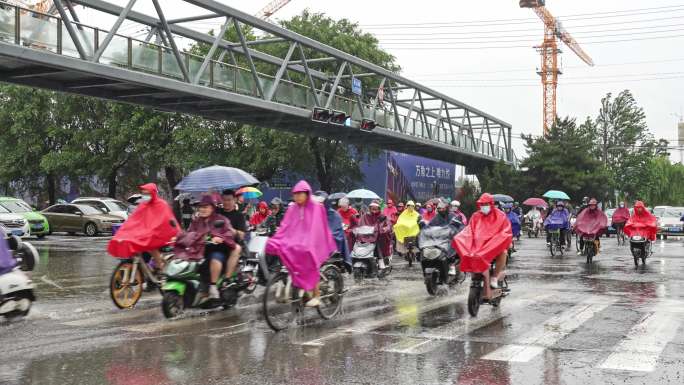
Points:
(564, 323)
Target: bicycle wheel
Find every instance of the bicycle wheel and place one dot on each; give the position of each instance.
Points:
(125, 293)
(332, 286)
(278, 303)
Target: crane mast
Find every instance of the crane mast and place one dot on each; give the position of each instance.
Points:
(549, 51)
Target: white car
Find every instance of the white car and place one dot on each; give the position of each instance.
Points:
(669, 220)
(14, 224)
(109, 206)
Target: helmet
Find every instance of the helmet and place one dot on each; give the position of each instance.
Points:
(277, 201)
(456, 203)
(374, 204)
(442, 204)
(410, 203)
(560, 203)
(585, 200)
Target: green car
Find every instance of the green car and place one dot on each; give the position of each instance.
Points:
(38, 224)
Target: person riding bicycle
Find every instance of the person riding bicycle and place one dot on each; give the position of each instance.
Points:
(221, 251)
(642, 223)
(304, 241)
(485, 239)
(514, 218)
(456, 210)
(534, 217)
(558, 219)
(149, 228)
(407, 226)
(383, 229)
(591, 222)
(620, 217)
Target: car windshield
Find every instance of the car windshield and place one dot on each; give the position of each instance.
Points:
(669, 212)
(116, 206)
(89, 210)
(16, 206)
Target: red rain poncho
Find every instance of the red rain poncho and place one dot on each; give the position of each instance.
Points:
(391, 212)
(620, 215)
(258, 217)
(303, 240)
(591, 222)
(151, 226)
(383, 231)
(485, 237)
(428, 215)
(642, 222)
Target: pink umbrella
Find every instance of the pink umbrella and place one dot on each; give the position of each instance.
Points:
(537, 202)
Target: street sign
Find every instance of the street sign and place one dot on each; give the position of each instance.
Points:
(356, 86)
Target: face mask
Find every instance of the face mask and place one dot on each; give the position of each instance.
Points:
(485, 209)
(145, 198)
(622, 205)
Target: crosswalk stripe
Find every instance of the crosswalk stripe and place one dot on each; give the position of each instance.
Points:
(644, 343)
(543, 336)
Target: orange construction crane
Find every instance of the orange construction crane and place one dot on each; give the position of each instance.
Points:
(271, 8)
(553, 31)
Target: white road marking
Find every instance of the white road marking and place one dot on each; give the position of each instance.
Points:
(543, 336)
(644, 343)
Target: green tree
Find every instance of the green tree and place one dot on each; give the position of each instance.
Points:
(665, 183)
(625, 146)
(501, 178)
(565, 160)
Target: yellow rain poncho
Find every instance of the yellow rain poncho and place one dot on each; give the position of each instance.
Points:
(407, 225)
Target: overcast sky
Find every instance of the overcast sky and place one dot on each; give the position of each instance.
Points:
(480, 52)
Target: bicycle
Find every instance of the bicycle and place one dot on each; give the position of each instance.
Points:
(283, 302)
(621, 239)
(555, 245)
(126, 284)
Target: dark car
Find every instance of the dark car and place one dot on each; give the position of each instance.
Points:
(75, 218)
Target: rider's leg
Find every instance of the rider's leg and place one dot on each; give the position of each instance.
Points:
(548, 237)
(233, 260)
(158, 260)
(498, 270)
(563, 237)
(216, 260)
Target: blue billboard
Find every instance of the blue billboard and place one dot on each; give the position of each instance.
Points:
(417, 178)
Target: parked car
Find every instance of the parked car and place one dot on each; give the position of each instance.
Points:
(13, 224)
(78, 218)
(107, 205)
(38, 224)
(669, 222)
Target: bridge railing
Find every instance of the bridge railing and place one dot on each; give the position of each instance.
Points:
(38, 30)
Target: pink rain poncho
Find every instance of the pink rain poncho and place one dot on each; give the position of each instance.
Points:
(303, 240)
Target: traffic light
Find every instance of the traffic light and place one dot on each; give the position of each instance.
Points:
(531, 3)
(338, 118)
(368, 124)
(321, 115)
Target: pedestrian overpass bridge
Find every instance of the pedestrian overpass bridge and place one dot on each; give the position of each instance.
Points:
(275, 81)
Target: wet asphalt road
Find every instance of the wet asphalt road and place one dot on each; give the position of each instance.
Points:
(564, 323)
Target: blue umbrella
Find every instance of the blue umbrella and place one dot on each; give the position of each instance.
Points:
(215, 177)
(503, 198)
(362, 194)
(555, 194)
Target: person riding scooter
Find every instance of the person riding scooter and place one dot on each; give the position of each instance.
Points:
(383, 230)
(591, 222)
(484, 240)
(407, 227)
(642, 223)
(221, 244)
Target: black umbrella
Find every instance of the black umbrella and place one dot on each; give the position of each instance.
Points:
(503, 198)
